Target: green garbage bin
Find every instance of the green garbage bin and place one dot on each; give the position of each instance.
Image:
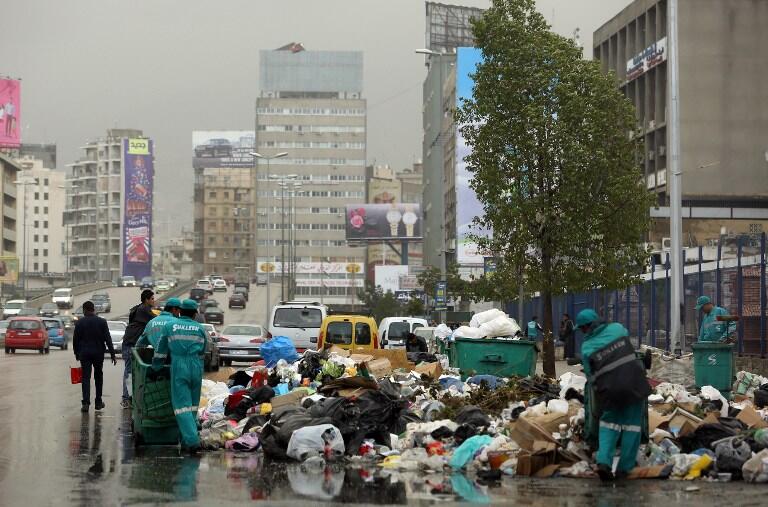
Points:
(713, 365)
(154, 422)
(503, 358)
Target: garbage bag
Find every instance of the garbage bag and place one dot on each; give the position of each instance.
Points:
(468, 332)
(467, 450)
(246, 442)
(237, 404)
(675, 370)
(706, 434)
(284, 421)
(490, 380)
(421, 357)
(731, 455)
(314, 441)
(442, 332)
(405, 417)
(279, 347)
(239, 378)
(255, 421)
(472, 415)
(500, 326)
(761, 396)
(481, 318)
(310, 365)
(755, 469)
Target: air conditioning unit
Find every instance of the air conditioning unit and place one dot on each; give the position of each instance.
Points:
(666, 244)
(651, 124)
(662, 150)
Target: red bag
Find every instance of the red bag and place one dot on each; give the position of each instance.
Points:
(76, 374)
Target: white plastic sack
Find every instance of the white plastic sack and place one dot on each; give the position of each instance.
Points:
(570, 380)
(667, 368)
(710, 393)
(468, 332)
(311, 440)
(500, 326)
(559, 406)
(481, 318)
(756, 468)
(442, 331)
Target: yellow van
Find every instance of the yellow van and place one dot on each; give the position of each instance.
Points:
(349, 332)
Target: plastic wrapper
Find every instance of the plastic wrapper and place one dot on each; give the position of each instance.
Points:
(500, 326)
(322, 440)
(442, 332)
(468, 332)
(481, 318)
(569, 380)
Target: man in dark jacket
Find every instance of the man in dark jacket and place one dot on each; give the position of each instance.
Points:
(414, 343)
(568, 336)
(90, 340)
(137, 321)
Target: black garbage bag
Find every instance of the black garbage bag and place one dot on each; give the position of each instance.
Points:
(282, 424)
(310, 365)
(256, 420)
(706, 434)
(464, 432)
(421, 357)
(761, 396)
(441, 433)
(406, 416)
(472, 416)
(239, 378)
(731, 454)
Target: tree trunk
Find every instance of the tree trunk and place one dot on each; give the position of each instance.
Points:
(549, 342)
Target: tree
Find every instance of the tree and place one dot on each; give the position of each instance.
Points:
(414, 307)
(379, 303)
(455, 285)
(555, 162)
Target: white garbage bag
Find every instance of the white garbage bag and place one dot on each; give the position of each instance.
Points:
(468, 332)
(570, 380)
(500, 326)
(442, 331)
(710, 393)
(311, 441)
(481, 318)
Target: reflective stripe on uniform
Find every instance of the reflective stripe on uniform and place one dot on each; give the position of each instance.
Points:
(184, 410)
(610, 425)
(160, 356)
(633, 428)
(186, 337)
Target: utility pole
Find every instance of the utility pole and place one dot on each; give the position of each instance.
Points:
(675, 181)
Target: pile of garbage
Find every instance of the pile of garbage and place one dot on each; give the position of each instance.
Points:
(377, 407)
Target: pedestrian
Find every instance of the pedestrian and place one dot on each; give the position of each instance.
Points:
(156, 327)
(534, 329)
(567, 335)
(138, 318)
(414, 343)
(616, 391)
(184, 340)
(90, 340)
(713, 330)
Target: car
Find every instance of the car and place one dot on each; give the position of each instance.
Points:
(212, 358)
(241, 290)
(49, 310)
(393, 330)
(147, 282)
(198, 294)
(77, 313)
(63, 298)
(126, 281)
(116, 331)
(348, 332)
(213, 278)
(28, 312)
(240, 342)
(162, 286)
(56, 335)
(261, 279)
(101, 302)
(208, 302)
(26, 333)
(69, 325)
(3, 329)
(300, 321)
(214, 148)
(173, 282)
(237, 300)
(213, 314)
(220, 285)
(13, 307)
(206, 284)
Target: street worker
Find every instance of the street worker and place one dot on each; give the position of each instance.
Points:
(713, 330)
(616, 391)
(534, 328)
(90, 340)
(156, 327)
(185, 340)
(138, 318)
(414, 343)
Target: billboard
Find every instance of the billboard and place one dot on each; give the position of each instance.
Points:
(400, 222)
(312, 268)
(467, 205)
(222, 148)
(9, 269)
(137, 216)
(650, 57)
(388, 277)
(10, 112)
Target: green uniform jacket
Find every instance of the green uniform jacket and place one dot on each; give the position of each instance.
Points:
(713, 330)
(599, 338)
(154, 330)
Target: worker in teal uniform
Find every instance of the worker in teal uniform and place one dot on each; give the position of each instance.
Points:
(616, 422)
(184, 339)
(713, 330)
(534, 329)
(156, 327)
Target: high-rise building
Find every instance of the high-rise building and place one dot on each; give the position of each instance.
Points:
(723, 109)
(40, 151)
(310, 109)
(109, 208)
(9, 219)
(43, 248)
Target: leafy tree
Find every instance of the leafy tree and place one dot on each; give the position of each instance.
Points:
(554, 161)
(379, 303)
(415, 306)
(456, 286)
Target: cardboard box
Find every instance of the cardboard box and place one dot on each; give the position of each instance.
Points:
(292, 398)
(529, 463)
(380, 367)
(220, 376)
(361, 358)
(550, 422)
(397, 357)
(682, 422)
(431, 370)
(338, 350)
(751, 418)
(526, 432)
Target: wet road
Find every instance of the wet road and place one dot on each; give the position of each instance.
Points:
(51, 454)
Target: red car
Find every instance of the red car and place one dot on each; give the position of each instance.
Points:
(26, 333)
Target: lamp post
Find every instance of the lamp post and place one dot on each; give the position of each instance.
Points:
(257, 155)
(282, 179)
(296, 185)
(25, 182)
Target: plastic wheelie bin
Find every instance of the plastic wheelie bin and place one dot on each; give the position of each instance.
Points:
(503, 358)
(154, 422)
(713, 365)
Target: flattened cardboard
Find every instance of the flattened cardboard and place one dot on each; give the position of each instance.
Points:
(338, 350)
(380, 367)
(431, 370)
(292, 398)
(751, 418)
(682, 422)
(220, 376)
(550, 422)
(652, 472)
(547, 472)
(397, 357)
(525, 432)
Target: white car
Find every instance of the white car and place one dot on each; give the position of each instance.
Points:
(13, 307)
(240, 342)
(220, 285)
(298, 320)
(205, 284)
(393, 330)
(117, 331)
(162, 286)
(63, 298)
(211, 330)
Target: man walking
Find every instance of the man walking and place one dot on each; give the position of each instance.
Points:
(568, 336)
(138, 318)
(184, 339)
(90, 340)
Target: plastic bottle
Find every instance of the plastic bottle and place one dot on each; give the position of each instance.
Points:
(669, 447)
(658, 455)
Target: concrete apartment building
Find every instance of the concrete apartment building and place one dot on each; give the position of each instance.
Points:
(43, 249)
(97, 208)
(723, 109)
(176, 258)
(311, 107)
(10, 216)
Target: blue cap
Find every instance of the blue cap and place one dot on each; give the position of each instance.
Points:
(703, 300)
(586, 317)
(189, 304)
(173, 303)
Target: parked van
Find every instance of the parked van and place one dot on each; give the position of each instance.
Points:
(349, 332)
(393, 330)
(298, 320)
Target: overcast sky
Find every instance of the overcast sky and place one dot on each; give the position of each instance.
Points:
(173, 66)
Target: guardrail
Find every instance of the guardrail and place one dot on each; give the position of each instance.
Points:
(77, 290)
(175, 292)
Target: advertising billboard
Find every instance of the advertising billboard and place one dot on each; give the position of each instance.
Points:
(10, 112)
(367, 222)
(388, 277)
(650, 57)
(222, 148)
(9, 269)
(137, 225)
(467, 205)
(312, 268)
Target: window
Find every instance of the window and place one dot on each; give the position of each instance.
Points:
(37, 209)
(35, 253)
(362, 333)
(212, 195)
(45, 210)
(45, 252)
(35, 238)
(45, 224)
(45, 196)
(339, 333)
(35, 268)
(226, 195)
(45, 239)
(45, 267)
(37, 224)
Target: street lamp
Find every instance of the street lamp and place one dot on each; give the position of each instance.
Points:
(282, 179)
(25, 182)
(257, 155)
(293, 188)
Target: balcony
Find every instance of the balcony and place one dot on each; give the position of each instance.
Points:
(9, 188)
(10, 212)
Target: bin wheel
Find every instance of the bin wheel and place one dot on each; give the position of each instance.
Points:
(227, 362)
(207, 367)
